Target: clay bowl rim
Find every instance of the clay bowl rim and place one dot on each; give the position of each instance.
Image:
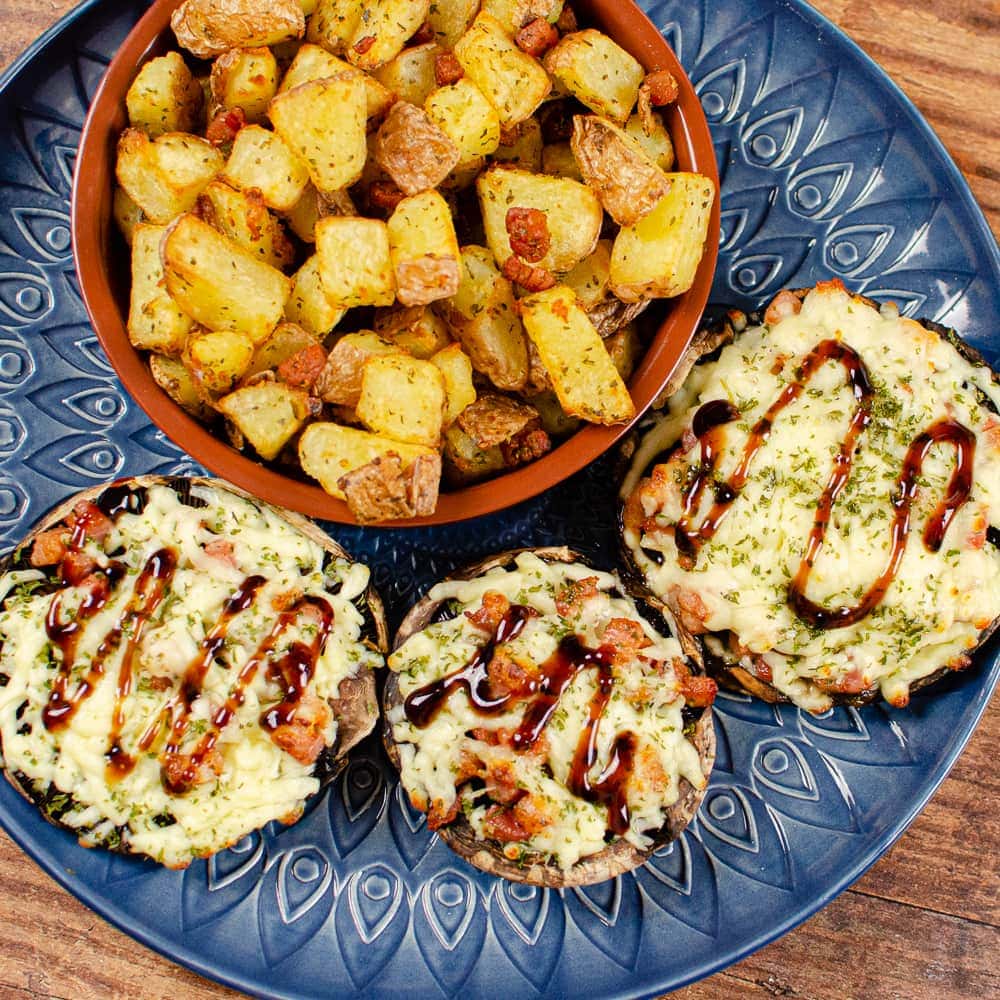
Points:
(93, 231)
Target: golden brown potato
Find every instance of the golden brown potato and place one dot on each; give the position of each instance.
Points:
(354, 261)
(314, 63)
(246, 79)
(462, 112)
(455, 366)
(591, 277)
(260, 159)
(287, 340)
(482, 315)
(410, 76)
(424, 249)
(656, 142)
(333, 23)
(217, 358)
(584, 377)
(617, 169)
(597, 72)
(244, 218)
(559, 161)
(385, 27)
(555, 420)
(414, 151)
(207, 28)
(525, 149)
(164, 97)
(402, 398)
(127, 214)
(340, 381)
(414, 329)
(268, 414)
(155, 322)
(177, 382)
(659, 256)
(449, 21)
(465, 462)
(308, 304)
(515, 14)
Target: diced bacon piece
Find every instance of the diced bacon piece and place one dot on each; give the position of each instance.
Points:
(526, 447)
(304, 736)
(222, 129)
(533, 279)
(507, 676)
(528, 229)
(626, 637)
(501, 782)
(385, 194)
(649, 772)
(531, 814)
(567, 22)
(691, 611)
(469, 766)
(490, 614)
(423, 35)
(181, 773)
(976, 537)
(77, 566)
(536, 37)
(697, 690)
(362, 45)
(783, 305)
(571, 597)
(762, 669)
(223, 550)
(447, 69)
(92, 521)
(304, 367)
(441, 815)
(49, 547)
(501, 824)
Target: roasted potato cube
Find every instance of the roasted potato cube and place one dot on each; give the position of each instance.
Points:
(617, 169)
(597, 72)
(308, 304)
(268, 414)
(414, 151)
(515, 14)
(155, 322)
(414, 329)
(217, 358)
(287, 340)
(385, 28)
(659, 256)
(333, 23)
(526, 149)
(247, 79)
(591, 277)
(583, 375)
(178, 383)
(572, 212)
(327, 452)
(127, 214)
(424, 249)
(482, 315)
(493, 419)
(410, 76)
(402, 398)
(244, 218)
(656, 144)
(165, 177)
(512, 81)
(314, 63)
(354, 262)
(219, 284)
(466, 117)
(260, 159)
(207, 28)
(465, 462)
(340, 381)
(383, 490)
(312, 207)
(460, 391)
(323, 123)
(164, 97)
(449, 21)
(625, 348)
(558, 161)
(555, 420)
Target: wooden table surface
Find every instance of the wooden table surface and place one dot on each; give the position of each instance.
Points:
(925, 921)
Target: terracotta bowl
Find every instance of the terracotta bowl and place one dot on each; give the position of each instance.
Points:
(102, 263)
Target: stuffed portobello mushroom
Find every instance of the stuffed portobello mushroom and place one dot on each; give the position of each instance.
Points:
(552, 733)
(814, 504)
(181, 664)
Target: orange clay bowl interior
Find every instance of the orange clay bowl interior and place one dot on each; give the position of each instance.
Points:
(102, 262)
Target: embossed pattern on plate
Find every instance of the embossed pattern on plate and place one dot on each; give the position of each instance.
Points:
(826, 170)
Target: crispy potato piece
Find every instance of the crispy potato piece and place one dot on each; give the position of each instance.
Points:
(244, 218)
(268, 414)
(491, 419)
(127, 214)
(219, 284)
(465, 462)
(383, 491)
(424, 249)
(177, 382)
(584, 377)
(414, 329)
(483, 317)
(625, 348)
(207, 28)
(591, 277)
(155, 322)
(340, 381)
(410, 76)
(308, 304)
(656, 143)
(245, 79)
(384, 29)
(515, 14)
(287, 340)
(597, 72)
(555, 420)
(323, 123)
(460, 390)
(414, 151)
(449, 21)
(260, 159)
(333, 24)
(659, 256)
(164, 97)
(558, 161)
(354, 262)
(314, 63)
(617, 169)
(513, 82)
(217, 358)
(312, 207)
(462, 112)
(327, 452)
(402, 398)
(573, 214)
(526, 149)
(164, 177)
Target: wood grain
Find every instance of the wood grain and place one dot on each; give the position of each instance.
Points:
(924, 923)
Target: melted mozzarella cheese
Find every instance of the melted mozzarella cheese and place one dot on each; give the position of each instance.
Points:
(259, 781)
(645, 702)
(937, 604)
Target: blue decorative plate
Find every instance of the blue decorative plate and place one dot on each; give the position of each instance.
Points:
(828, 170)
